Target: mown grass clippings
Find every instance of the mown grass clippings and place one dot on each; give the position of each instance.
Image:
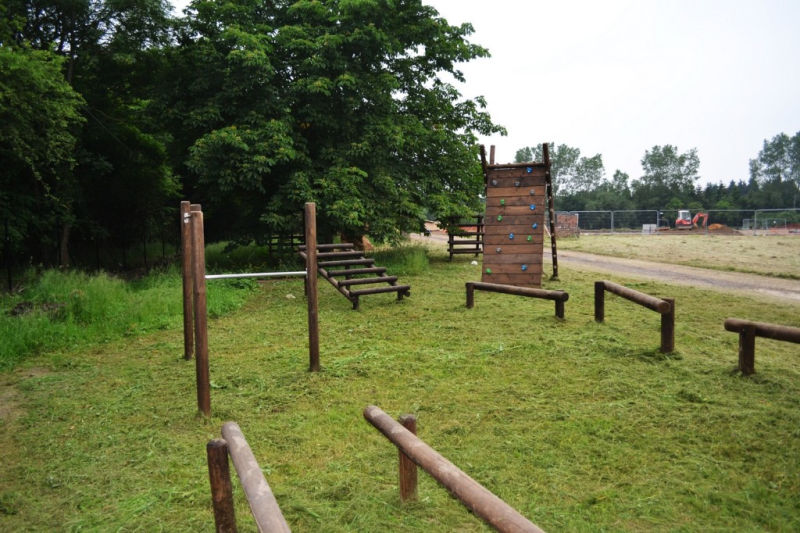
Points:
(578, 425)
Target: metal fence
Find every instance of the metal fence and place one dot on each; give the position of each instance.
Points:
(720, 221)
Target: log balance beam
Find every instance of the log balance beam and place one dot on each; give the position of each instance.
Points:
(558, 296)
(664, 306)
(749, 330)
(411, 449)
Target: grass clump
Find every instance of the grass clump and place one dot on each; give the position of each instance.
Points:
(69, 310)
(405, 260)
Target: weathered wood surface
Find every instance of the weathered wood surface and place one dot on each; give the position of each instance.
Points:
(199, 304)
(219, 476)
(312, 297)
(186, 277)
(481, 501)
(764, 329)
(658, 305)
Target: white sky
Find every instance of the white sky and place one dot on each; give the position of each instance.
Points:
(617, 77)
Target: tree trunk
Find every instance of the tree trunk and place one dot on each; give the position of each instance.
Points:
(63, 247)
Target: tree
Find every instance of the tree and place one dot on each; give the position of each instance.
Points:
(669, 177)
(570, 172)
(342, 103)
(39, 115)
(778, 160)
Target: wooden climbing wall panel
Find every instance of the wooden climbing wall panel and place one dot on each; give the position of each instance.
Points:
(514, 224)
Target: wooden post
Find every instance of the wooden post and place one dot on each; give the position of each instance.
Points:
(668, 327)
(491, 155)
(186, 274)
(200, 313)
(407, 467)
(747, 350)
(219, 475)
(550, 207)
(311, 286)
(470, 295)
(599, 301)
(560, 308)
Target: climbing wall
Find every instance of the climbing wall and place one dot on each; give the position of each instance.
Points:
(514, 224)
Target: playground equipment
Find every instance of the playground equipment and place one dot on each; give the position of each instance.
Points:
(465, 237)
(481, 501)
(514, 224)
(345, 256)
(195, 313)
(749, 330)
(664, 306)
(558, 296)
(685, 220)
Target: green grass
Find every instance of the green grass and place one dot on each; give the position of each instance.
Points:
(777, 256)
(72, 310)
(580, 426)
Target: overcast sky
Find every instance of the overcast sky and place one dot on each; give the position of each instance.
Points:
(617, 77)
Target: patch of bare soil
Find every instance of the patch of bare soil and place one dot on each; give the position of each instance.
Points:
(10, 397)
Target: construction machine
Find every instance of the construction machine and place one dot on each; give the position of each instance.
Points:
(685, 220)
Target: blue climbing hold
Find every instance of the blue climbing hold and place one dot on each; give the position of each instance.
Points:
(510, 235)
(524, 268)
(534, 225)
(533, 206)
(529, 170)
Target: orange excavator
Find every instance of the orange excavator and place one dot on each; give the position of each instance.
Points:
(685, 220)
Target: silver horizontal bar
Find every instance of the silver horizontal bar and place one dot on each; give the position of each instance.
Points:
(257, 275)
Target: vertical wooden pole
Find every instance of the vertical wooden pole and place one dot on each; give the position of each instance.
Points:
(470, 295)
(599, 301)
(550, 207)
(219, 474)
(747, 350)
(311, 286)
(186, 274)
(200, 313)
(491, 155)
(560, 308)
(407, 467)
(668, 328)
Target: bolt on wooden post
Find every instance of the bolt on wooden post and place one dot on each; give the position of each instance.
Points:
(407, 468)
(200, 313)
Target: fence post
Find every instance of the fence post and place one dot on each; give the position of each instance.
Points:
(560, 308)
(470, 295)
(668, 327)
(747, 349)
(219, 475)
(599, 301)
(200, 313)
(407, 467)
(186, 274)
(311, 286)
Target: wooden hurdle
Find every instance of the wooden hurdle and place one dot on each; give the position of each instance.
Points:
(664, 306)
(559, 297)
(749, 330)
(265, 509)
(478, 499)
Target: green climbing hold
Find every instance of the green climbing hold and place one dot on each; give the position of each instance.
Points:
(488, 270)
(530, 238)
(502, 201)
(499, 218)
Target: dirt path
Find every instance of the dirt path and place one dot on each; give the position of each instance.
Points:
(703, 278)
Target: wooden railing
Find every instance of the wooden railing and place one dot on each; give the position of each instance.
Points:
(559, 297)
(749, 330)
(664, 306)
(481, 501)
(267, 514)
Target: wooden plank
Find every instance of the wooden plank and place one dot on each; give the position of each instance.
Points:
(511, 268)
(515, 259)
(523, 228)
(517, 172)
(520, 239)
(522, 184)
(516, 197)
(532, 280)
(515, 249)
(514, 210)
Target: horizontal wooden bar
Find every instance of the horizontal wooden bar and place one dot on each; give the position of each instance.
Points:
(544, 294)
(491, 257)
(259, 495)
(341, 245)
(516, 197)
(515, 210)
(466, 251)
(465, 242)
(480, 500)
(379, 290)
(516, 245)
(645, 300)
(367, 281)
(341, 254)
(356, 271)
(511, 268)
(763, 329)
(521, 280)
(257, 275)
(531, 164)
(347, 262)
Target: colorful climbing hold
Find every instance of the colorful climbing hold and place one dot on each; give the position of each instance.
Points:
(498, 250)
(510, 235)
(530, 238)
(524, 268)
(494, 182)
(488, 270)
(532, 192)
(534, 225)
(529, 170)
(533, 206)
(502, 201)
(516, 183)
(499, 218)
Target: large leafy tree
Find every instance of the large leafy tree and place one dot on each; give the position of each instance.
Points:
(342, 102)
(668, 178)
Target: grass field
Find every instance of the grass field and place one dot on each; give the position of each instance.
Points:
(578, 425)
(777, 256)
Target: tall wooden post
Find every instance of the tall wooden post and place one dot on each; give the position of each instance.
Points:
(491, 155)
(311, 286)
(668, 328)
(551, 207)
(186, 275)
(200, 313)
(599, 301)
(407, 468)
(219, 475)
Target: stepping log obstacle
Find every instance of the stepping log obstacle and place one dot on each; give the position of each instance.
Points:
(749, 330)
(345, 267)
